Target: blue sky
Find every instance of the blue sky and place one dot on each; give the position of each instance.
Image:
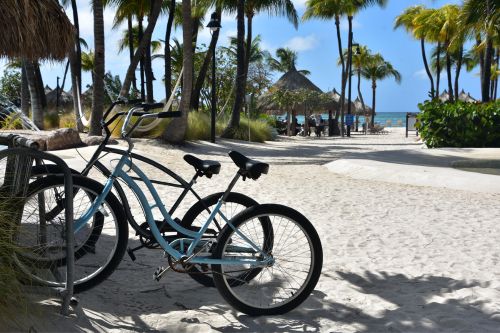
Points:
(316, 44)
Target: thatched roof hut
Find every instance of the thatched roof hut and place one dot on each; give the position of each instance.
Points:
(65, 99)
(293, 81)
(463, 97)
(358, 108)
(34, 30)
(466, 97)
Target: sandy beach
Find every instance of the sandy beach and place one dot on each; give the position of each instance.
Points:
(410, 244)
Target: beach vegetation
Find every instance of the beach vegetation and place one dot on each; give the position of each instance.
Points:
(459, 124)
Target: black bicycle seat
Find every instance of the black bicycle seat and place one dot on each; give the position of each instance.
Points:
(248, 168)
(203, 167)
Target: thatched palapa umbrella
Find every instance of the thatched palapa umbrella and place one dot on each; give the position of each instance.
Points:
(466, 97)
(65, 99)
(34, 30)
(293, 81)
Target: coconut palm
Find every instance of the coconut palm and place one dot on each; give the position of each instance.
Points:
(168, 33)
(407, 21)
(378, 69)
(335, 9)
(287, 61)
(98, 71)
(76, 65)
(176, 130)
(234, 121)
(483, 17)
(360, 58)
(143, 44)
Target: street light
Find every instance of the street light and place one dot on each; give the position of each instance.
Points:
(350, 81)
(214, 26)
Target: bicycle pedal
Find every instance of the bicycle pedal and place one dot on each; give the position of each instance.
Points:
(158, 274)
(131, 254)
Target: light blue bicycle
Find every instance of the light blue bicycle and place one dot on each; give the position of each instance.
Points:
(265, 261)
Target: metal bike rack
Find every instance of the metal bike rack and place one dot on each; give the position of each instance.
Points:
(20, 155)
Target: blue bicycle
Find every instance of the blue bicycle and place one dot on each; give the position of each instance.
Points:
(266, 260)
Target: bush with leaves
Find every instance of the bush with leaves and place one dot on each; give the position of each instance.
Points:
(459, 124)
(10, 85)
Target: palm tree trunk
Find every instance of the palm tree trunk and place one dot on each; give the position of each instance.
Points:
(168, 58)
(343, 82)
(349, 71)
(99, 70)
(39, 84)
(234, 122)
(25, 93)
(288, 123)
(141, 64)
(438, 68)
(36, 105)
(374, 91)
(149, 71)
(487, 70)
(131, 47)
(78, 49)
(142, 46)
(176, 130)
(458, 69)
(359, 92)
(200, 80)
(427, 69)
(448, 74)
(495, 92)
(75, 90)
(248, 44)
(481, 62)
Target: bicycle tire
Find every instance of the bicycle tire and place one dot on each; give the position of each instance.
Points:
(198, 214)
(36, 261)
(274, 280)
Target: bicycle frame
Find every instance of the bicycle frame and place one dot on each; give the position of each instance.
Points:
(196, 237)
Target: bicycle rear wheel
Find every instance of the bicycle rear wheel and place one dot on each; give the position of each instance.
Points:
(99, 245)
(287, 281)
(198, 214)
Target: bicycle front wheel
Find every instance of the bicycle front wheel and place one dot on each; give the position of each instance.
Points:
(99, 245)
(287, 280)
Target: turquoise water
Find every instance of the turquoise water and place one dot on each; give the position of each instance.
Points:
(388, 119)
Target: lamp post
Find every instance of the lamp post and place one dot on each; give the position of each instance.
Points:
(214, 25)
(349, 71)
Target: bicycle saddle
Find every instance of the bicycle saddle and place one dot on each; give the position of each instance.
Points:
(203, 167)
(248, 168)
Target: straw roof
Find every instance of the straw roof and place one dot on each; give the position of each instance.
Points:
(34, 30)
(464, 97)
(65, 99)
(293, 80)
(358, 108)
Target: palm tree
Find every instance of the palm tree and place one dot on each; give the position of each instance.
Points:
(143, 44)
(335, 9)
(287, 61)
(99, 70)
(37, 109)
(234, 122)
(375, 70)
(482, 17)
(428, 23)
(176, 130)
(360, 58)
(168, 64)
(407, 21)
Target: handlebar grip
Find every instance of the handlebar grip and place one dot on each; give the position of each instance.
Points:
(170, 114)
(147, 107)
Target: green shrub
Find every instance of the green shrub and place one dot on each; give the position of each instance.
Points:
(13, 300)
(459, 124)
(11, 122)
(51, 120)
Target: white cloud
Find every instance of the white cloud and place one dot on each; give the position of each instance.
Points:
(302, 43)
(299, 4)
(344, 24)
(421, 74)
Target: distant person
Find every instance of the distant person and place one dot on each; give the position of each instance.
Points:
(320, 125)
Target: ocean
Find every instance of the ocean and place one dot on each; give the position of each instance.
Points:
(388, 119)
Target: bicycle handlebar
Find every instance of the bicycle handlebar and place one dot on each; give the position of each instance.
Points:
(143, 115)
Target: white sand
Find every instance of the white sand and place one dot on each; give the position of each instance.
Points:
(397, 257)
